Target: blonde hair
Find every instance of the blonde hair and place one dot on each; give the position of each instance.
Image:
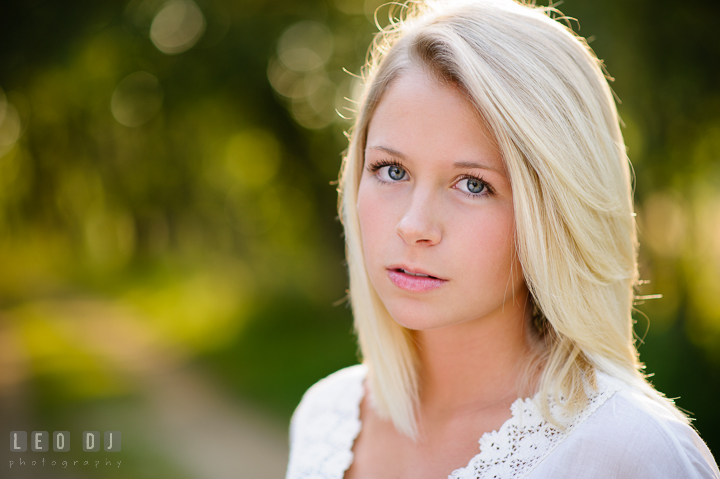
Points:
(542, 92)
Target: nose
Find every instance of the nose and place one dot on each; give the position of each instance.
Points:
(419, 225)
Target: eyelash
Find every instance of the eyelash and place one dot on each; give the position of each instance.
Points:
(374, 167)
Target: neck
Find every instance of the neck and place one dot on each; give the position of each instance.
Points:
(475, 365)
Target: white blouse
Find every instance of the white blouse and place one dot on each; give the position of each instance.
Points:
(621, 434)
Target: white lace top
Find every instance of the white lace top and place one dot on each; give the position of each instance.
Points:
(621, 434)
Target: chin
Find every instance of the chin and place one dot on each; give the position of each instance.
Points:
(415, 324)
(419, 318)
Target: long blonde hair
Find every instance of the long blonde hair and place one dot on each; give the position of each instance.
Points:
(543, 94)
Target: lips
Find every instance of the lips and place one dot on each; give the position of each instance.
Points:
(414, 279)
(412, 271)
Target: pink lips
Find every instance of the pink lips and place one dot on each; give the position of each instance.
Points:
(409, 282)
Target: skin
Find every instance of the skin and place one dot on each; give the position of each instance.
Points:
(470, 331)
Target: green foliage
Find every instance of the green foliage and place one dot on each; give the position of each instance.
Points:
(288, 344)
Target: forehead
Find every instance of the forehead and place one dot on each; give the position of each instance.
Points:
(424, 119)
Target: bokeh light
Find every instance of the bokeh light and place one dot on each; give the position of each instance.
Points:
(177, 26)
(305, 46)
(10, 127)
(136, 99)
(299, 73)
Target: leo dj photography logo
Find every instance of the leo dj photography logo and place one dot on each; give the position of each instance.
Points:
(40, 442)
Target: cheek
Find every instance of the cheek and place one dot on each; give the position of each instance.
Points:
(488, 243)
(375, 217)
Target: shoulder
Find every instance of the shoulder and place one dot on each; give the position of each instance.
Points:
(325, 424)
(632, 436)
(336, 382)
(334, 393)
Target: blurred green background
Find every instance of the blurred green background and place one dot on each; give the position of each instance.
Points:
(171, 264)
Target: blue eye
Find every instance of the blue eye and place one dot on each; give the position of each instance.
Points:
(388, 171)
(395, 172)
(475, 186)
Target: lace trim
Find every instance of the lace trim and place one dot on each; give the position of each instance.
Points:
(327, 422)
(526, 439)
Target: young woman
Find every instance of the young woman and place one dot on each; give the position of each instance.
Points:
(487, 203)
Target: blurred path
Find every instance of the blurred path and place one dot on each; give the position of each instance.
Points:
(205, 432)
(210, 436)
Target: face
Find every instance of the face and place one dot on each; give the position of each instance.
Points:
(435, 208)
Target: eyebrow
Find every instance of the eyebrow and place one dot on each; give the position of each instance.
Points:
(389, 151)
(457, 164)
